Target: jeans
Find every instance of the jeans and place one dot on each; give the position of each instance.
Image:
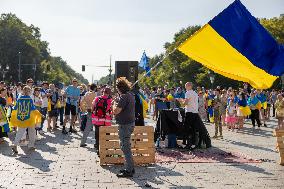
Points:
(84, 119)
(88, 129)
(124, 132)
(43, 111)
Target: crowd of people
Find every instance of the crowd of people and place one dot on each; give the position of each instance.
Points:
(223, 107)
(25, 108)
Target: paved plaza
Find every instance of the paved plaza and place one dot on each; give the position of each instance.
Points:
(59, 162)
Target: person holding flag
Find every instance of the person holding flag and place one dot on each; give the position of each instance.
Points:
(4, 125)
(25, 116)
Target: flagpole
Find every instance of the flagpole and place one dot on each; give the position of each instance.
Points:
(166, 56)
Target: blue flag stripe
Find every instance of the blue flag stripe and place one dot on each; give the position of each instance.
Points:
(243, 32)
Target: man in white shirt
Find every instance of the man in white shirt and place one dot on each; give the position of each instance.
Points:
(191, 116)
(191, 99)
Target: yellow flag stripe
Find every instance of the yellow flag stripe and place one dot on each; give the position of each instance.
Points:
(211, 50)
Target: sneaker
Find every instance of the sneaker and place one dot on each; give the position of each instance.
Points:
(31, 148)
(37, 138)
(83, 145)
(64, 132)
(41, 132)
(215, 136)
(221, 136)
(71, 130)
(265, 125)
(125, 174)
(23, 143)
(123, 170)
(15, 150)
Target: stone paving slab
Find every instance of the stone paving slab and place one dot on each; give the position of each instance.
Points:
(59, 162)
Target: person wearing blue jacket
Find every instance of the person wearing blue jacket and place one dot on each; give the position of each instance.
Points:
(263, 99)
(253, 102)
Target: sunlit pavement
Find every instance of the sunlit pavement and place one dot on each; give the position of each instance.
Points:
(59, 162)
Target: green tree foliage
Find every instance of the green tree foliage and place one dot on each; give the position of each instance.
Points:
(178, 68)
(15, 37)
(105, 80)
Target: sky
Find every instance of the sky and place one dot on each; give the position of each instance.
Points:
(88, 32)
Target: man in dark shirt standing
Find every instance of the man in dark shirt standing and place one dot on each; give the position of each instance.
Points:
(124, 112)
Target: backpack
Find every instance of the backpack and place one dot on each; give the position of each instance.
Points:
(101, 107)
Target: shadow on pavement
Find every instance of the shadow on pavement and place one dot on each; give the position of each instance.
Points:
(145, 176)
(249, 145)
(255, 132)
(34, 159)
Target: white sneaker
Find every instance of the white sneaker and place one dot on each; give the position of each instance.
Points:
(37, 138)
(41, 132)
(23, 143)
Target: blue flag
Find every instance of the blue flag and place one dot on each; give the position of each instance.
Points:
(144, 63)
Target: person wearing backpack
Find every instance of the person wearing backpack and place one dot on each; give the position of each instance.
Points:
(101, 116)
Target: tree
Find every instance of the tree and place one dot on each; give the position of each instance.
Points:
(15, 37)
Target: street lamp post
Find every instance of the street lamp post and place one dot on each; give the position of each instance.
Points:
(4, 71)
(282, 81)
(110, 70)
(19, 54)
(212, 78)
(174, 73)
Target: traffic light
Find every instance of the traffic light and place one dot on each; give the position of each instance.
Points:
(83, 68)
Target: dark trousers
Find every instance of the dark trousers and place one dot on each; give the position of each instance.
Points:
(255, 117)
(191, 124)
(43, 112)
(83, 122)
(61, 114)
(273, 109)
(97, 137)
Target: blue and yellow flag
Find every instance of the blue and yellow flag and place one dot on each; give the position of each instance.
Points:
(25, 114)
(234, 44)
(4, 124)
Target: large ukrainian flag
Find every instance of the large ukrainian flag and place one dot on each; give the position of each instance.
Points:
(234, 44)
(25, 114)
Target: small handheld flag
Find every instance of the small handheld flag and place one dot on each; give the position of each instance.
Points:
(144, 63)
